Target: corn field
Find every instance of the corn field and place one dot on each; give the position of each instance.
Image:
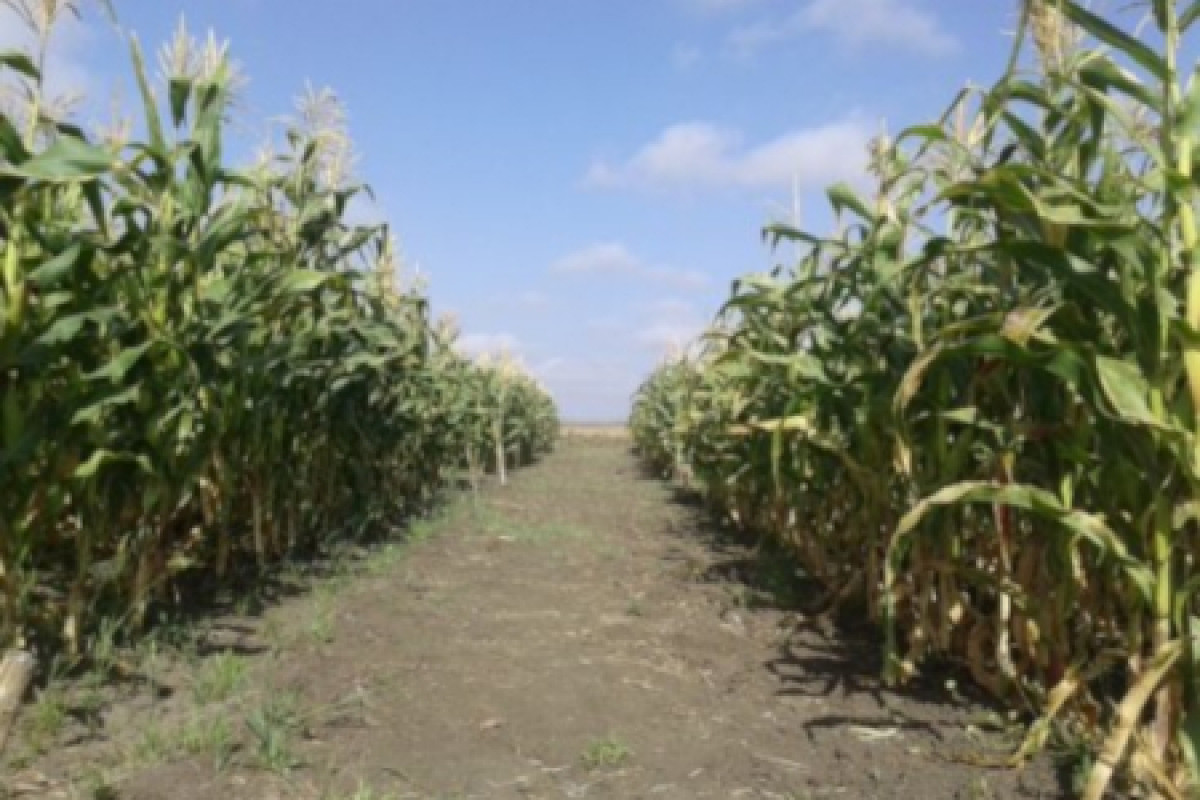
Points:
(205, 368)
(973, 410)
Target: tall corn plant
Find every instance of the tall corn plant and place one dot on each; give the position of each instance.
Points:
(1082, 223)
(203, 369)
(1010, 324)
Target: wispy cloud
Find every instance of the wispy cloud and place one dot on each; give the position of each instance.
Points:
(549, 366)
(703, 155)
(671, 324)
(611, 258)
(529, 298)
(673, 308)
(670, 337)
(719, 6)
(679, 278)
(617, 260)
(685, 56)
(478, 344)
(593, 387)
(854, 23)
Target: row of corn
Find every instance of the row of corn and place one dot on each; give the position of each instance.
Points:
(973, 410)
(204, 368)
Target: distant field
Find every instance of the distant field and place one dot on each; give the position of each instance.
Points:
(599, 430)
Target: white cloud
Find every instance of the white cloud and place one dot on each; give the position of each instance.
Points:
(594, 388)
(701, 154)
(854, 23)
(673, 324)
(599, 387)
(606, 258)
(615, 259)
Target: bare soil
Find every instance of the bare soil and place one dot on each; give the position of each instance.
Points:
(580, 633)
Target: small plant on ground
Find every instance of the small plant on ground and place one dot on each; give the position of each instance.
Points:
(94, 785)
(606, 753)
(102, 650)
(156, 744)
(321, 625)
(89, 706)
(383, 559)
(47, 718)
(980, 789)
(219, 678)
(212, 738)
(275, 635)
(274, 726)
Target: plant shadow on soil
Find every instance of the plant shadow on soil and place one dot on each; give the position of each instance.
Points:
(839, 651)
(208, 620)
(218, 613)
(585, 628)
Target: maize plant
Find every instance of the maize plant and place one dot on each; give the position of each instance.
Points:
(503, 415)
(973, 410)
(205, 368)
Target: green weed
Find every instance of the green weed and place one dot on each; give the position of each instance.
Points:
(219, 678)
(274, 726)
(606, 753)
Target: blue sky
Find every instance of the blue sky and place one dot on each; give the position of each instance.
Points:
(581, 180)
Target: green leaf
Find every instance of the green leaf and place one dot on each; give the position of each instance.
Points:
(179, 91)
(1187, 121)
(119, 367)
(65, 328)
(93, 414)
(67, 159)
(10, 140)
(57, 268)
(1039, 502)
(305, 280)
(1127, 390)
(158, 141)
(843, 196)
(102, 458)
(1113, 36)
(20, 62)
(1104, 75)
(1188, 16)
(1162, 11)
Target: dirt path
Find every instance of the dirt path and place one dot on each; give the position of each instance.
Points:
(578, 634)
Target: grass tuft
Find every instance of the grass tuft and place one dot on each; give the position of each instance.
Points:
(606, 753)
